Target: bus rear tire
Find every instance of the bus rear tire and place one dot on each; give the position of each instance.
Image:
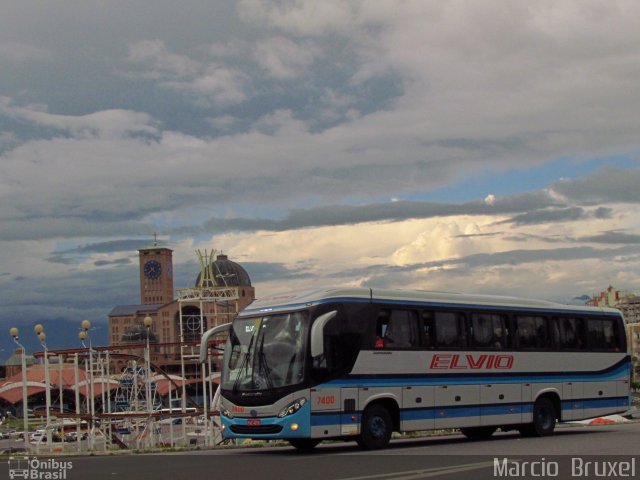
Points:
(544, 419)
(304, 444)
(375, 430)
(478, 433)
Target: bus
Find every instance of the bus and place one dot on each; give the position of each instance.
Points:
(359, 364)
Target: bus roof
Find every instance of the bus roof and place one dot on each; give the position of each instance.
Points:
(306, 298)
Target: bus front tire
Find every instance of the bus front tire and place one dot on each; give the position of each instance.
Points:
(304, 444)
(478, 433)
(375, 430)
(544, 419)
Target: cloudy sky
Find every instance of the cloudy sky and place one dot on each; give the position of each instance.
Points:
(471, 146)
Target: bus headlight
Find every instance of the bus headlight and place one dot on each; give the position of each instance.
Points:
(227, 414)
(292, 408)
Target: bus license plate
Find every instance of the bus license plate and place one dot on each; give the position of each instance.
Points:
(253, 422)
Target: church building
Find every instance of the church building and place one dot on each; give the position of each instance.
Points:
(215, 299)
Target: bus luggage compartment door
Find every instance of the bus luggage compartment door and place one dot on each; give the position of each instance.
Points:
(457, 406)
(572, 401)
(501, 404)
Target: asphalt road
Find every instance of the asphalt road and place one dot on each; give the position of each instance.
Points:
(563, 455)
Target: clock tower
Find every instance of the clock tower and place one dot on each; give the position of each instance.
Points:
(156, 275)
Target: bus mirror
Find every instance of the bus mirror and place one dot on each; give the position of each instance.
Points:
(204, 343)
(317, 332)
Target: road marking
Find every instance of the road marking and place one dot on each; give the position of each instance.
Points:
(424, 473)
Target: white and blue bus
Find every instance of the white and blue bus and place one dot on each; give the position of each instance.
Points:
(362, 363)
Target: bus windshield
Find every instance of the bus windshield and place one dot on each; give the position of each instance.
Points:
(266, 352)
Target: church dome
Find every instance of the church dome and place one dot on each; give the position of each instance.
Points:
(228, 273)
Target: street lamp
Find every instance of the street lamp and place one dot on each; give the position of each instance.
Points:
(84, 335)
(42, 337)
(14, 333)
(148, 321)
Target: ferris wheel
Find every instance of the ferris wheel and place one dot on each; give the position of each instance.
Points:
(133, 394)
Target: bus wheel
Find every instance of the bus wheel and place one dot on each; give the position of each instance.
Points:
(304, 444)
(544, 419)
(375, 431)
(478, 433)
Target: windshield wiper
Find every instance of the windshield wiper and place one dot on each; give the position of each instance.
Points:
(244, 365)
(264, 366)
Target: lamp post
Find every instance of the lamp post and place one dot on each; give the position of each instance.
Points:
(84, 335)
(39, 330)
(76, 378)
(183, 401)
(148, 321)
(25, 420)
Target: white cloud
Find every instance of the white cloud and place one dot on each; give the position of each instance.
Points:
(19, 52)
(283, 58)
(163, 63)
(209, 81)
(302, 18)
(442, 240)
(106, 124)
(224, 85)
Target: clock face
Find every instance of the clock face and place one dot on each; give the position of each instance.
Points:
(152, 269)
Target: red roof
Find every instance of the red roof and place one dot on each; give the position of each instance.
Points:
(36, 373)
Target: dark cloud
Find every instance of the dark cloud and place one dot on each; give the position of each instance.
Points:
(516, 257)
(606, 186)
(378, 212)
(479, 235)
(119, 261)
(469, 263)
(603, 213)
(612, 237)
(71, 256)
(539, 238)
(557, 214)
(112, 246)
(37, 227)
(550, 215)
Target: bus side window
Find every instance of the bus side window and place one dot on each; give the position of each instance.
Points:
(602, 335)
(553, 330)
(382, 326)
(488, 331)
(398, 329)
(449, 330)
(571, 333)
(532, 332)
(428, 330)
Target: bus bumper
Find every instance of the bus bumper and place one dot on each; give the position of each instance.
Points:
(295, 425)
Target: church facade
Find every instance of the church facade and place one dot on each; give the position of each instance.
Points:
(175, 321)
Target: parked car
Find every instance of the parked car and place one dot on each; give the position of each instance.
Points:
(40, 436)
(37, 436)
(73, 436)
